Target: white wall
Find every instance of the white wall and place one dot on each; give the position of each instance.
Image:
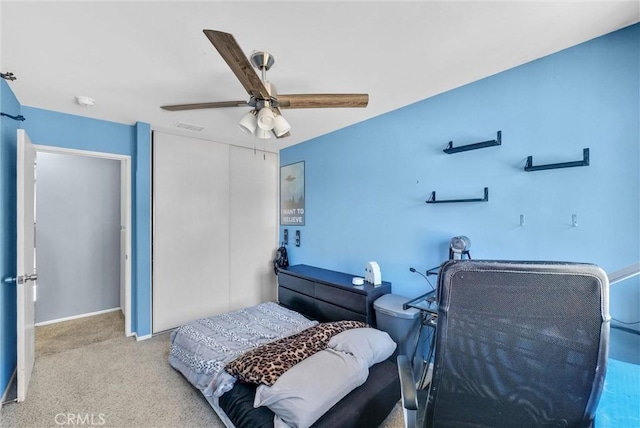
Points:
(77, 235)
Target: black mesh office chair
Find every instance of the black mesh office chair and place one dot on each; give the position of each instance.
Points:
(518, 344)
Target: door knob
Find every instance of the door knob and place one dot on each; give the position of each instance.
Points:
(22, 278)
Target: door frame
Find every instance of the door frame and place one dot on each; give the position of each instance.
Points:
(125, 213)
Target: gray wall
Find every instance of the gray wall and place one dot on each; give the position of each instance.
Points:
(77, 235)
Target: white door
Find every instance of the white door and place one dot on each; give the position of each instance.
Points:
(191, 230)
(253, 226)
(26, 277)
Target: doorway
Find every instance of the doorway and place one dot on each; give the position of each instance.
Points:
(83, 238)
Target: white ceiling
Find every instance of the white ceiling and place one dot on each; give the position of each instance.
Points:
(134, 56)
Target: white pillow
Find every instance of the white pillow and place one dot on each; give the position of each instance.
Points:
(370, 344)
(307, 390)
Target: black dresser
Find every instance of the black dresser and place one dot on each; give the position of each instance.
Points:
(328, 295)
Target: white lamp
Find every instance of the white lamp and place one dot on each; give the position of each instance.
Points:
(281, 126)
(248, 122)
(263, 122)
(263, 134)
(266, 118)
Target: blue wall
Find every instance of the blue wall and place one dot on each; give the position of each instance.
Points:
(9, 105)
(141, 234)
(366, 184)
(50, 128)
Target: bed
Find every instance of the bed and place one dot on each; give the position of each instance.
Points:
(348, 380)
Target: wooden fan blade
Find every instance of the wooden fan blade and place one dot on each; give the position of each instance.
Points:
(322, 100)
(230, 51)
(197, 106)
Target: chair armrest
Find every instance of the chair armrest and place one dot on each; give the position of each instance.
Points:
(407, 383)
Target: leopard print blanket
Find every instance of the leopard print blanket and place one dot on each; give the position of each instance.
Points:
(265, 364)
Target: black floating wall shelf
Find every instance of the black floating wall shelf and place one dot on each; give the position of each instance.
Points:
(432, 198)
(584, 162)
(8, 76)
(450, 149)
(18, 117)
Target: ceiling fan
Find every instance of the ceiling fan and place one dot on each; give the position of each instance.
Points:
(265, 119)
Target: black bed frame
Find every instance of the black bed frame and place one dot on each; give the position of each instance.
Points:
(365, 407)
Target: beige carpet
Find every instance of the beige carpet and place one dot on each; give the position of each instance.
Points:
(68, 335)
(108, 381)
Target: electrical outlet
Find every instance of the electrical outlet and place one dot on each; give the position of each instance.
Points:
(297, 238)
(286, 236)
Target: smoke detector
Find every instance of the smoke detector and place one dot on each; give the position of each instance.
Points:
(85, 101)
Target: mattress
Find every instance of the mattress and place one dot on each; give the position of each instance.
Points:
(201, 349)
(206, 350)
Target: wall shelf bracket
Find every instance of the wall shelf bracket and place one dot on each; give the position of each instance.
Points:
(450, 149)
(432, 198)
(8, 76)
(18, 117)
(584, 162)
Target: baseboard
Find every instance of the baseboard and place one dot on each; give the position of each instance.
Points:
(6, 391)
(90, 314)
(145, 337)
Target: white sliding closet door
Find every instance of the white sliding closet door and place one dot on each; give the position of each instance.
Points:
(191, 230)
(254, 226)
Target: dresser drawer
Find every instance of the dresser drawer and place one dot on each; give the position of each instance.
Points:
(298, 302)
(328, 312)
(327, 295)
(352, 301)
(297, 284)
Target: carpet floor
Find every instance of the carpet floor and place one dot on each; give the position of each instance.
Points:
(65, 336)
(89, 373)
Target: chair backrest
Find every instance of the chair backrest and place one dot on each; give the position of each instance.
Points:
(519, 344)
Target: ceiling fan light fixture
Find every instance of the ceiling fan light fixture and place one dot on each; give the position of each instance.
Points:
(281, 126)
(264, 98)
(248, 122)
(263, 134)
(266, 119)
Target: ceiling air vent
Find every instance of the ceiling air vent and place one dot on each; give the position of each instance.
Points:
(189, 126)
